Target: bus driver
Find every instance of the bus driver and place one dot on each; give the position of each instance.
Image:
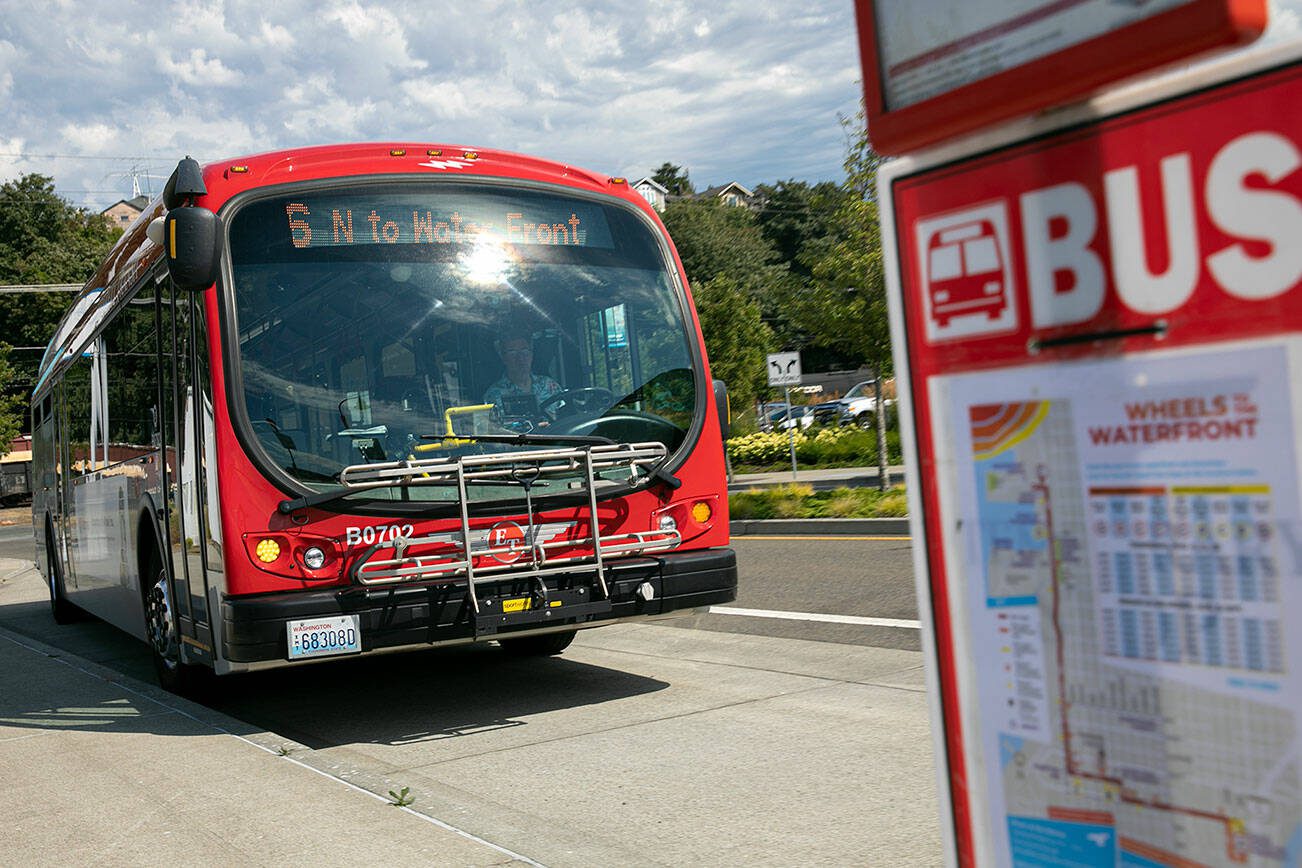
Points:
(520, 392)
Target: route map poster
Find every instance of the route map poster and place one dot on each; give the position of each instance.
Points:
(1129, 557)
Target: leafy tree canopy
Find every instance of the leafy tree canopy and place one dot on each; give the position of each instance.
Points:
(11, 406)
(43, 239)
(797, 218)
(843, 305)
(716, 239)
(736, 338)
(674, 179)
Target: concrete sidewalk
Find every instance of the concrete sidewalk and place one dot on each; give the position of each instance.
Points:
(694, 739)
(101, 769)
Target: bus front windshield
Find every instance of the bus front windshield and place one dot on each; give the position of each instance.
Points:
(371, 321)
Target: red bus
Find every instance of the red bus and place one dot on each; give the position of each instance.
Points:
(965, 273)
(347, 399)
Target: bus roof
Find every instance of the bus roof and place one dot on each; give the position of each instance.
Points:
(335, 161)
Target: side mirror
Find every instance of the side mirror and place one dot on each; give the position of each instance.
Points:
(723, 407)
(192, 243)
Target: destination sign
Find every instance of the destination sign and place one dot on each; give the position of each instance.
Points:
(315, 223)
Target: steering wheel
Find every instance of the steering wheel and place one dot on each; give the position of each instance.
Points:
(589, 400)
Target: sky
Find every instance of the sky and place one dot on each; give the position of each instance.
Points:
(96, 94)
(745, 90)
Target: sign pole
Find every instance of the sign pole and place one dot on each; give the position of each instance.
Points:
(791, 435)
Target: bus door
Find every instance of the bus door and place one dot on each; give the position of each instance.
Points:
(78, 444)
(185, 495)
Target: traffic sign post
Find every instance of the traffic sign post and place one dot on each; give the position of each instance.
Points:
(784, 370)
(1096, 330)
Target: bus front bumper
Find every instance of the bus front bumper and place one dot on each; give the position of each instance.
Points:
(253, 629)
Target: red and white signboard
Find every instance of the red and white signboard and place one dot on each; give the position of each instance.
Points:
(933, 69)
(1097, 336)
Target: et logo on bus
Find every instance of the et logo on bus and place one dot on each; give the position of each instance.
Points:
(967, 277)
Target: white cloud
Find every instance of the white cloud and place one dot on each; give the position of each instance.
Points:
(1285, 19)
(199, 69)
(748, 92)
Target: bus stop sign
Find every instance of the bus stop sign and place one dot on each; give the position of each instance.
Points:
(1097, 329)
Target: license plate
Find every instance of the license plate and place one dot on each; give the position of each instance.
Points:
(324, 637)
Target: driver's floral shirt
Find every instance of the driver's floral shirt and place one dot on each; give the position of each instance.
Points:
(542, 386)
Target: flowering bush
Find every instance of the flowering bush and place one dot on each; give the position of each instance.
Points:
(830, 446)
(763, 447)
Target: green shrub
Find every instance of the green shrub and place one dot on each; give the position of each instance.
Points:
(828, 446)
(801, 501)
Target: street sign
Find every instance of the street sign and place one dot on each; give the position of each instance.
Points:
(934, 70)
(1096, 329)
(784, 369)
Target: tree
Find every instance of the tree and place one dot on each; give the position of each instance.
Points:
(11, 406)
(797, 218)
(43, 239)
(737, 282)
(674, 179)
(715, 239)
(845, 303)
(736, 338)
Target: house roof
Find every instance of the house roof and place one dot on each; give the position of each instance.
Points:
(136, 202)
(723, 188)
(652, 182)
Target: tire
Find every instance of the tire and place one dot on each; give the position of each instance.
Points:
(866, 421)
(545, 645)
(61, 610)
(164, 637)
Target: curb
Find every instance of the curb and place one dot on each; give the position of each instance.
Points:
(816, 526)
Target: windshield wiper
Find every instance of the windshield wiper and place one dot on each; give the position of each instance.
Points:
(525, 439)
(317, 499)
(285, 507)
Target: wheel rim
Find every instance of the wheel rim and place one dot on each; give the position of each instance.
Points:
(162, 634)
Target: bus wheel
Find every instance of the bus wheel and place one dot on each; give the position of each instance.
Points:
(538, 646)
(61, 610)
(165, 638)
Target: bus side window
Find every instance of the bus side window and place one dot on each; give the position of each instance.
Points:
(132, 377)
(76, 386)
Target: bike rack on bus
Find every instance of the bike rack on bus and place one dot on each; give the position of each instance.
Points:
(456, 560)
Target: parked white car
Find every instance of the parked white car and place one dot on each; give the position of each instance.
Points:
(856, 407)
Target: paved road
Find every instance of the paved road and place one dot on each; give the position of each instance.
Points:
(860, 577)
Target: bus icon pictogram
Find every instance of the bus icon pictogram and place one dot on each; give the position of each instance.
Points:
(965, 267)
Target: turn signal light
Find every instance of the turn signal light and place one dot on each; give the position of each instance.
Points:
(306, 557)
(690, 518)
(268, 551)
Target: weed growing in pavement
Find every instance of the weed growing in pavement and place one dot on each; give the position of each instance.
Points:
(402, 798)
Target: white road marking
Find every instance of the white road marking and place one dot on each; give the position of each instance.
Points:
(815, 616)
